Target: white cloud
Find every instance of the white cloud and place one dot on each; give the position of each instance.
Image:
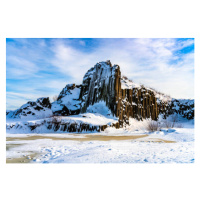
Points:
(149, 61)
(21, 67)
(152, 62)
(71, 62)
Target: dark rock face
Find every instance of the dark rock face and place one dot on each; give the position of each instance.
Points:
(44, 102)
(99, 85)
(103, 82)
(124, 98)
(68, 101)
(33, 109)
(138, 103)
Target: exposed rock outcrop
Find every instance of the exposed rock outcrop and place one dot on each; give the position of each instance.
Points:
(183, 107)
(103, 86)
(40, 108)
(79, 123)
(124, 98)
(99, 84)
(68, 101)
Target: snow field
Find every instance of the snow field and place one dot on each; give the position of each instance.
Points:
(129, 151)
(149, 149)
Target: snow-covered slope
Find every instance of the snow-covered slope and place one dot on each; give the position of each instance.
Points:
(88, 122)
(38, 109)
(128, 84)
(68, 102)
(100, 108)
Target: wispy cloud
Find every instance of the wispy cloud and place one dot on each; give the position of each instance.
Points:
(43, 66)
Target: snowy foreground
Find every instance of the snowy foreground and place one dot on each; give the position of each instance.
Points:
(131, 145)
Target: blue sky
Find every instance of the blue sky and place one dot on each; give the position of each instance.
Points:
(42, 67)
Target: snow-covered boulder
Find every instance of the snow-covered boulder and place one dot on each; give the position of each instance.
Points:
(68, 102)
(38, 109)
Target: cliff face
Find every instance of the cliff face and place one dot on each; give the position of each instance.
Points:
(99, 84)
(124, 98)
(137, 102)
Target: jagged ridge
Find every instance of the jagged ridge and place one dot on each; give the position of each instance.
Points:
(33, 110)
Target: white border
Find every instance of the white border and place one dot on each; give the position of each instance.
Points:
(57, 19)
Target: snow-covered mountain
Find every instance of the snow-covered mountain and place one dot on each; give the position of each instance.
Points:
(38, 109)
(105, 92)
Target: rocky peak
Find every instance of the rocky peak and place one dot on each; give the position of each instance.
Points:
(68, 101)
(122, 96)
(104, 85)
(33, 109)
(99, 85)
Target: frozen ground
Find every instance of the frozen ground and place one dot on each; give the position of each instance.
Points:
(131, 145)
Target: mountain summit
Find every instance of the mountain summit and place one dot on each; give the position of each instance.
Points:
(104, 86)
(124, 98)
